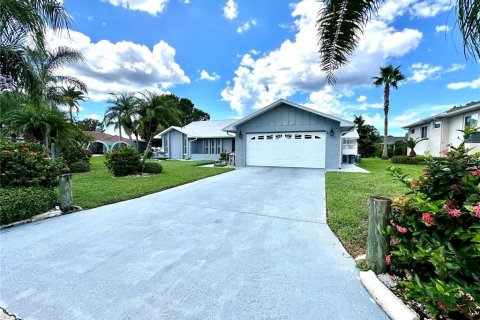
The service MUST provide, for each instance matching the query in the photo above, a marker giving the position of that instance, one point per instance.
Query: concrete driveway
(248, 244)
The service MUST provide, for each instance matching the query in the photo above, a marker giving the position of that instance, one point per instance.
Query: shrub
(149, 154)
(379, 152)
(223, 156)
(435, 232)
(74, 153)
(27, 165)
(220, 164)
(152, 167)
(406, 159)
(23, 203)
(80, 166)
(123, 161)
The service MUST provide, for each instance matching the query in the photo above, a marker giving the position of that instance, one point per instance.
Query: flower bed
(435, 235)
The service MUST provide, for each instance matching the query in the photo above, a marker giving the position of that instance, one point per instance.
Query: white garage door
(295, 149)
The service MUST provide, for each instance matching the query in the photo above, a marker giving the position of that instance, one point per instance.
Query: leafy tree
(341, 22)
(89, 124)
(120, 106)
(190, 113)
(70, 97)
(369, 137)
(389, 77)
(21, 20)
(157, 112)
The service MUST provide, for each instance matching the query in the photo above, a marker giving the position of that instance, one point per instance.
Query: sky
(232, 57)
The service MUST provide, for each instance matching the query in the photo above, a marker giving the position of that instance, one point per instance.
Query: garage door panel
(296, 149)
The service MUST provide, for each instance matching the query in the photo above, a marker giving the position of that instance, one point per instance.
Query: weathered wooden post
(66, 195)
(379, 210)
(53, 154)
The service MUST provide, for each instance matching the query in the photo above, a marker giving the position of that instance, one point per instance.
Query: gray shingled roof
(203, 129)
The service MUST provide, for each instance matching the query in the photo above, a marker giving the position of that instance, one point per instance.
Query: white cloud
(230, 10)
(93, 116)
(474, 84)
(362, 99)
(246, 25)
(294, 66)
(415, 8)
(152, 7)
(121, 66)
(424, 71)
(67, 109)
(443, 28)
(204, 75)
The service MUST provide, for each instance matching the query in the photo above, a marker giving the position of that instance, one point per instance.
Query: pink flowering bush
(435, 234)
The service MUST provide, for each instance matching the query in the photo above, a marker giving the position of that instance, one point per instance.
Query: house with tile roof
(442, 130)
(104, 142)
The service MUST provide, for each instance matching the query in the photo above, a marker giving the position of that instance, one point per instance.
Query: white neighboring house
(350, 146)
(441, 130)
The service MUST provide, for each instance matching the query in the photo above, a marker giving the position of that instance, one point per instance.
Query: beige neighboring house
(441, 130)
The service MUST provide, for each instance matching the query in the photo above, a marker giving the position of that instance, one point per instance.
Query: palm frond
(468, 20)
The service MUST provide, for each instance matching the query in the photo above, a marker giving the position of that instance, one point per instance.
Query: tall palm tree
(389, 77)
(21, 20)
(157, 112)
(121, 106)
(341, 22)
(70, 97)
(47, 83)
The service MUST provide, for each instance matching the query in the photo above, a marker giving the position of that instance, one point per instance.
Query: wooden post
(66, 195)
(379, 210)
(53, 154)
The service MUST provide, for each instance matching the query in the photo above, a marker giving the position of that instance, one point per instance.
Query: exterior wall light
(240, 135)
(332, 133)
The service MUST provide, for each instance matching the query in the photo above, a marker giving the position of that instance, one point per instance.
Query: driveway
(248, 244)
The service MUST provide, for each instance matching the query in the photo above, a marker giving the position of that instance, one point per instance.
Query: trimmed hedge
(406, 159)
(152, 167)
(74, 153)
(23, 203)
(80, 166)
(123, 161)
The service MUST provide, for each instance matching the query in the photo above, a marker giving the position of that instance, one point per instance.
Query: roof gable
(343, 123)
(202, 129)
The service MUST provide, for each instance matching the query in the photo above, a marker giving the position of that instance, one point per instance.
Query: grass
(98, 187)
(347, 199)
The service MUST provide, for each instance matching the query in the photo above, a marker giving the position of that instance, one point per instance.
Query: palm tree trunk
(71, 114)
(136, 142)
(149, 145)
(386, 104)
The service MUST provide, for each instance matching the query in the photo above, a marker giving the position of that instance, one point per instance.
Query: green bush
(80, 166)
(152, 167)
(220, 164)
(27, 165)
(23, 203)
(435, 230)
(149, 154)
(379, 152)
(74, 153)
(406, 159)
(123, 161)
(223, 156)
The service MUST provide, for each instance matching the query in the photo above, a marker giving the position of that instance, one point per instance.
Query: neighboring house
(199, 140)
(391, 141)
(350, 146)
(104, 142)
(282, 134)
(441, 130)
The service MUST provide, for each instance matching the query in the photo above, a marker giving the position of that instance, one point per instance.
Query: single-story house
(282, 134)
(104, 142)
(442, 130)
(199, 140)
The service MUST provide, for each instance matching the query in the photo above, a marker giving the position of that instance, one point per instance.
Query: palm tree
(21, 20)
(411, 144)
(70, 97)
(121, 106)
(389, 77)
(341, 22)
(46, 84)
(156, 112)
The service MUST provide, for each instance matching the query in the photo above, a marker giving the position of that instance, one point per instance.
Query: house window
(206, 145)
(298, 136)
(436, 124)
(412, 131)
(165, 147)
(424, 132)
(288, 136)
(260, 137)
(219, 146)
(471, 120)
(212, 146)
(270, 137)
(278, 136)
(308, 136)
(185, 144)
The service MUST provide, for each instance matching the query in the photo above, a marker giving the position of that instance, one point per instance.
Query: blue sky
(231, 57)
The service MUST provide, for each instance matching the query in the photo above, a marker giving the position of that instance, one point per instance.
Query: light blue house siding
(285, 118)
(198, 149)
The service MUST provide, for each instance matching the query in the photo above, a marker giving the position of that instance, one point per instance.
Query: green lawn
(347, 199)
(98, 187)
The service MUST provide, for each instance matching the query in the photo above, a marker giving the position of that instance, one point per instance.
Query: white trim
(343, 123)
